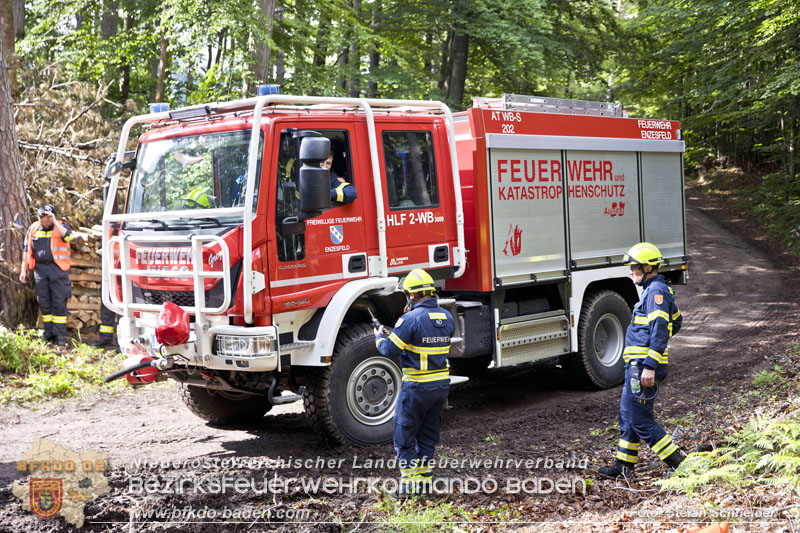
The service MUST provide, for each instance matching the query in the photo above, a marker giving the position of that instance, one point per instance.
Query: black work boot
(674, 460)
(59, 341)
(619, 468)
(48, 332)
(104, 341)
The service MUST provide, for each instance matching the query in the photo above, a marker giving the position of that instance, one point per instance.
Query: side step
(531, 340)
(288, 398)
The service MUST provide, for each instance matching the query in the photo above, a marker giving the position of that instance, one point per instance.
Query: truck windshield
(193, 172)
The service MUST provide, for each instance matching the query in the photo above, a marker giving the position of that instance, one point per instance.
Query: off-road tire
(333, 402)
(224, 407)
(598, 364)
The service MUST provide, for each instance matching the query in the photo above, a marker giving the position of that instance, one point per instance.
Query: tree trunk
(18, 9)
(341, 82)
(374, 62)
(427, 66)
(162, 68)
(15, 300)
(220, 45)
(353, 57)
(125, 84)
(262, 68)
(374, 55)
(7, 31)
(444, 68)
(109, 21)
(792, 153)
(458, 73)
(280, 60)
(321, 48)
(297, 61)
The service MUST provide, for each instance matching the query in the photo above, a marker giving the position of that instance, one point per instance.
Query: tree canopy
(728, 69)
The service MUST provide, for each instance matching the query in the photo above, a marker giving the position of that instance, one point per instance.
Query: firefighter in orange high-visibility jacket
(655, 320)
(47, 253)
(421, 339)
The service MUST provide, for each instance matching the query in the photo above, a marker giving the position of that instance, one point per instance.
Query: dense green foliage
(728, 69)
(553, 46)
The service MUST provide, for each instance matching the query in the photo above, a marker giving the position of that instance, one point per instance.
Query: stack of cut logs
(83, 309)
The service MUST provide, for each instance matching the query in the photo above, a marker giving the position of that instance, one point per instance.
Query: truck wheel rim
(372, 390)
(608, 340)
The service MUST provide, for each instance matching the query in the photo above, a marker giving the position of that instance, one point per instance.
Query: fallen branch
(57, 150)
(88, 144)
(101, 93)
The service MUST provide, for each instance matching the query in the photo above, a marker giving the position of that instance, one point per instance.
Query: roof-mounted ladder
(543, 104)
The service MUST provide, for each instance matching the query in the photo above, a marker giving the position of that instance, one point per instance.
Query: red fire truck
(520, 207)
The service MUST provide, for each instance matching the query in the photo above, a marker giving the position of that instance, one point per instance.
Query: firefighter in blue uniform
(341, 190)
(421, 338)
(655, 319)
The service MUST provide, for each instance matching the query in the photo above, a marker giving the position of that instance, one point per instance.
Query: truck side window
(290, 247)
(410, 169)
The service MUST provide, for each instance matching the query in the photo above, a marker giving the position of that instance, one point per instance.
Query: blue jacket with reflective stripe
(421, 338)
(341, 190)
(655, 319)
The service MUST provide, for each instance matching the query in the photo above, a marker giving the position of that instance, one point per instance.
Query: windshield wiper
(199, 222)
(212, 220)
(160, 222)
(164, 226)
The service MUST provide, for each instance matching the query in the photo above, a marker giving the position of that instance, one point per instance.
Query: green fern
(764, 452)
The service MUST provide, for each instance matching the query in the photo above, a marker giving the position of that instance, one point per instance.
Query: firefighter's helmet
(644, 253)
(198, 197)
(418, 281)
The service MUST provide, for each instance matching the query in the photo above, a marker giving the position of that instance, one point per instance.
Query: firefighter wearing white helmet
(421, 339)
(655, 320)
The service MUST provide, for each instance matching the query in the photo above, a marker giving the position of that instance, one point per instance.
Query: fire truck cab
(521, 208)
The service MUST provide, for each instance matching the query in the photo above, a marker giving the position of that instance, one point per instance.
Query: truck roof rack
(543, 104)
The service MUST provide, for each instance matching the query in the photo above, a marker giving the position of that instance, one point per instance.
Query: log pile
(83, 309)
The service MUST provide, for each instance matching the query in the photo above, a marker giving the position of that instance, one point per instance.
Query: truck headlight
(235, 346)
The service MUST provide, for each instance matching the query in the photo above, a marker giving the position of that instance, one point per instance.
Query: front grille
(213, 296)
(182, 298)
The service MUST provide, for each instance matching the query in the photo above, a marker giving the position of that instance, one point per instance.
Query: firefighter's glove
(383, 330)
(648, 378)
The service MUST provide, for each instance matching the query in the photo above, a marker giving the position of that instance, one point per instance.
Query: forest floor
(741, 316)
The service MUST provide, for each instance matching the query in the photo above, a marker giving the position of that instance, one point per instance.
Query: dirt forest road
(737, 300)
